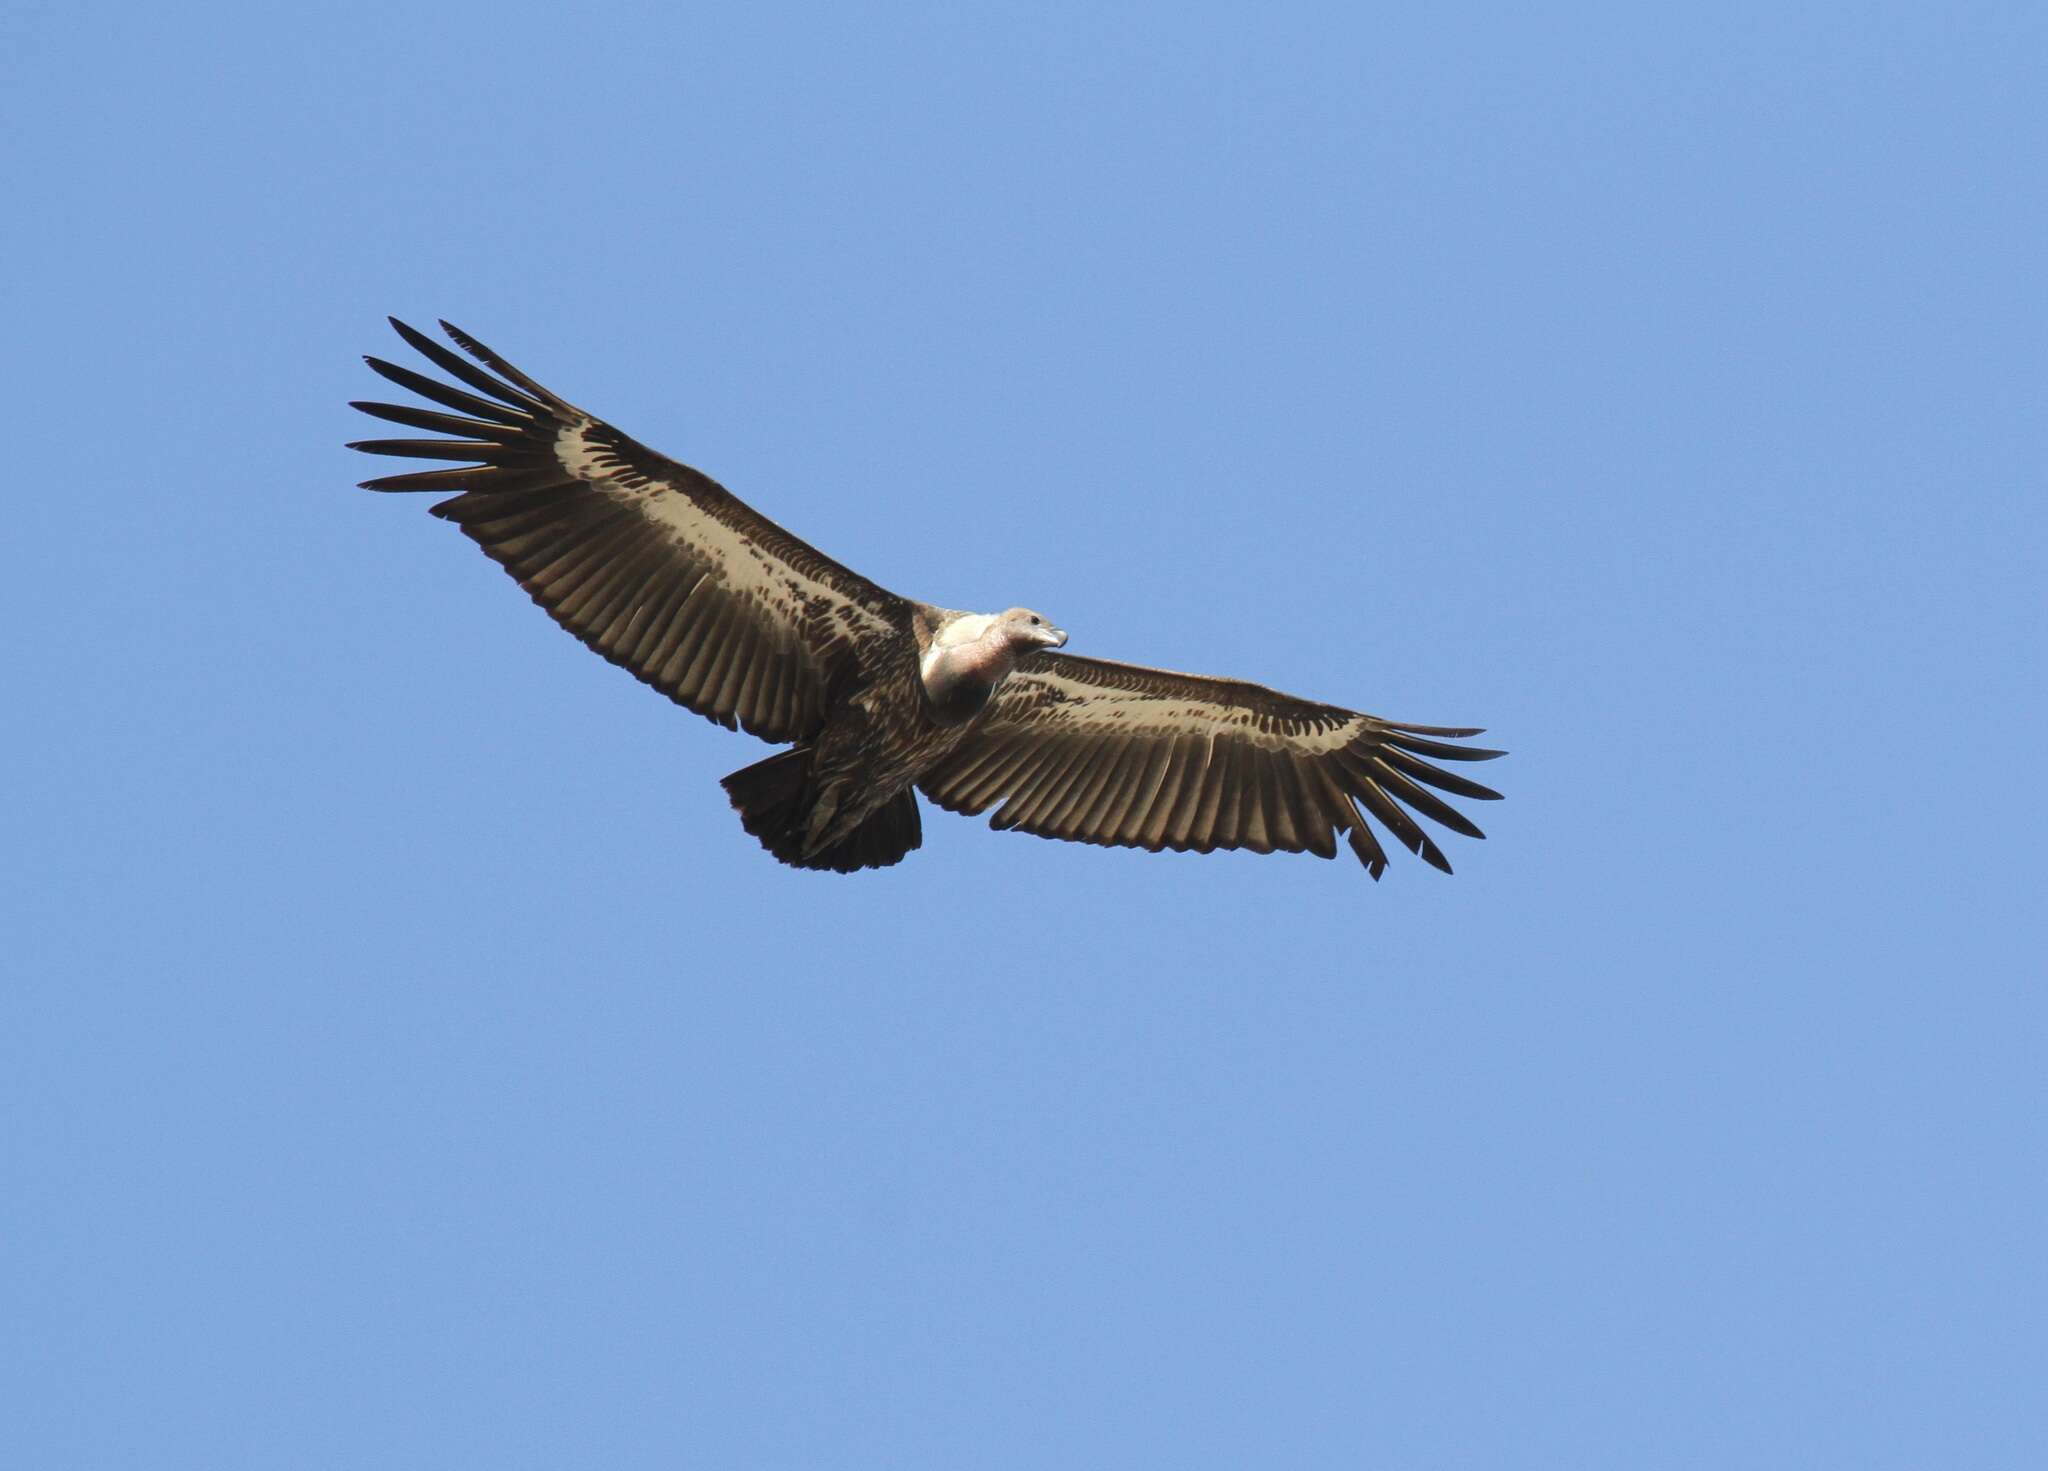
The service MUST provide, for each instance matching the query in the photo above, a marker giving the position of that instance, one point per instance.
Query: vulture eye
(1035, 621)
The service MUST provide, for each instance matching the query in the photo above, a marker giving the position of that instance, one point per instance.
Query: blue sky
(407, 1060)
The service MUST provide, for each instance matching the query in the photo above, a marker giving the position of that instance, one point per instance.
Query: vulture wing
(1096, 752)
(652, 564)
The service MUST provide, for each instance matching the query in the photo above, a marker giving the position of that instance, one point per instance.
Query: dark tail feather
(880, 841)
(774, 797)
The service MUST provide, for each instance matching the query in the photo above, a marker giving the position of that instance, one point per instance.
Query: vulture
(672, 577)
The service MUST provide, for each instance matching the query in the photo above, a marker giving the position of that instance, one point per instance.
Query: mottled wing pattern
(1097, 752)
(655, 566)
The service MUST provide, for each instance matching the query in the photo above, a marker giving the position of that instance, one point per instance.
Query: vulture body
(667, 574)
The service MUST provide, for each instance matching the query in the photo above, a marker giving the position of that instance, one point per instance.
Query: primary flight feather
(667, 574)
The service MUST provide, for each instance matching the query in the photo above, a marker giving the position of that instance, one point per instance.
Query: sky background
(405, 1059)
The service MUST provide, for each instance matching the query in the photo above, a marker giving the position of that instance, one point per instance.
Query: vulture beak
(1055, 638)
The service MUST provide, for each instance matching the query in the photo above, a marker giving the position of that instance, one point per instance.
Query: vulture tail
(774, 800)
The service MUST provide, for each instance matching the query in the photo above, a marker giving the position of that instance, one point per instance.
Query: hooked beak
(1055, 638)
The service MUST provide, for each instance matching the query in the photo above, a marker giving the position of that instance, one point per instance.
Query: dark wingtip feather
(1368, 850)
(1443, 781)
(459, 368)
(425, 480)
(417, 339)
(1401, 735)
(452, 397)
(484, 355)
(431, 419)
(1426, 802)
(1458, 732)
(1430, 853)
(485, 451)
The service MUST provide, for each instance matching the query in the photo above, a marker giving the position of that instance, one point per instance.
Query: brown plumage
(670, 576)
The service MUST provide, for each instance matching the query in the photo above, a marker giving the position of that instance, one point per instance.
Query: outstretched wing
(652, 564)
(1096, 752)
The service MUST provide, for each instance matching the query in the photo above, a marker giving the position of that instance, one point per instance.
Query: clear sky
(407, 1061)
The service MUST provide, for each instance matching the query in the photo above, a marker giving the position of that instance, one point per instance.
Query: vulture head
(975, 652)
(1023, 630)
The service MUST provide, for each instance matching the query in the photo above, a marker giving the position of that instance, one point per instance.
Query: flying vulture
(667, 574)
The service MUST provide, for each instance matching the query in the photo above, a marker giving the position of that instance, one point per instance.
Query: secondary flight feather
(669, 575)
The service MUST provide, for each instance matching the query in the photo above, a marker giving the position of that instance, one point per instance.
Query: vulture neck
(966, 661)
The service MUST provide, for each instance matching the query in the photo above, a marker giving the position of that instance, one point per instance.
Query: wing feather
(1405, 828)
(1144, 797)
(1400, 735)
(1276, 777)
(1176, 771)
(653, 565)
(1030, 790)
(581, 556)
(775, 688)
(429, 419)
(1140, 780)
(1235, 802)
(1063, 788)
(441, 393)
(1428, 803)
(1108, 753)
(989, 775)
(469, 373)
(1258, 782)
(1091, 814)
(1443, 781)
(630, 592)
(709, 638)
(1057, 783)
(1204, 820)
(1315, 822)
